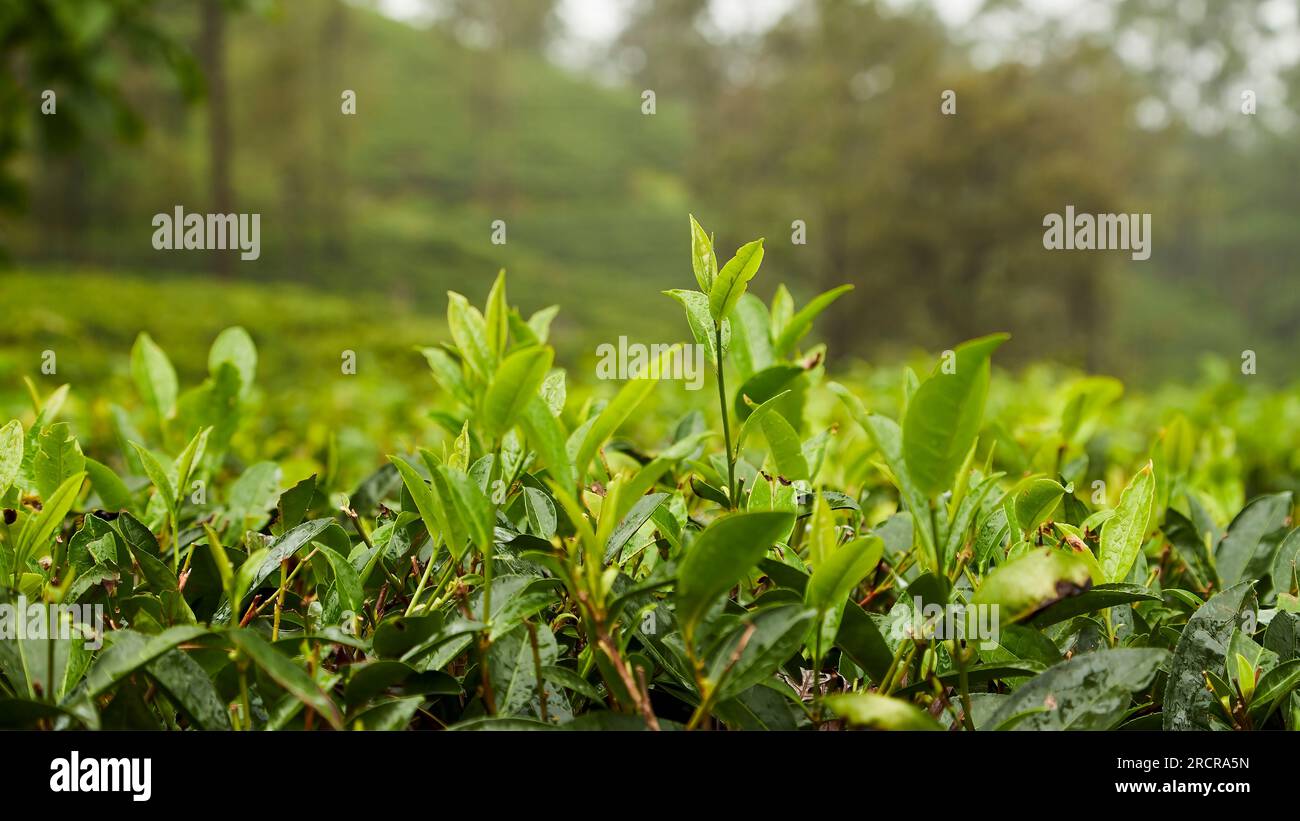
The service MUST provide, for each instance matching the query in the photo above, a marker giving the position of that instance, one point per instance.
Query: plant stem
(537, 668)
(247, 707)
(963, 681)
(424, 580)
(279, 599)
(726, 423)
(176, 544)
(709, 692)
(484, 641)
(494, 473)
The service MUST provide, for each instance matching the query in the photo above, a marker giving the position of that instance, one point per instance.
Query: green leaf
(777, 634)
(539, 511)
(1036, 501)
(515, 671)
(944, 416)
(1283, 635)
(887, 437)
(189, 460)
(1100, 597)
(372, 679)
(968, 509)
(764, 386)
(1245, 677)
(1190, 547)
(629, 396)
(225, 571)
(1037, 579)
(832, 582)
(877, 712)
(294, 504)
(1123, 533)
(720, 556)
(447, 373)
(27, 714)
(628, 526)
(1284, 573)
(785, 447)
(564, 677)
(280, 548)
(1087, 397)
(469, 330)
(1259, 518)
(430, 507)
(799, 325)
(821, 536)
(734, 278)
(130, 651)
(701, 323)
(497, 318)
(703, 261)
(1203, 646)
(113, 492)
(346, 580)
(1091, 691)
(154, 376)
(470, 503)
(287, 674)
(157, 474)
(752, 348)
(253, 494)
(11, 454)
(57, 457)
(190, 687)
(547, 435)
(37, 531)
(1274, 686)
(540, 322)
(513, 386)
(235, 346)
(516, 598)
(782, 311)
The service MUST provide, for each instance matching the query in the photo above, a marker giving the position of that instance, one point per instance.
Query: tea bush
(782, 551)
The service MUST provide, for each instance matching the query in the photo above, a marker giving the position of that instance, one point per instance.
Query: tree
(664, 48)
(519, 26)
(938, 219)
(74, 52)
(212, 54)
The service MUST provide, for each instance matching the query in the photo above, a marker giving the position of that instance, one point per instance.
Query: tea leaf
(1088, 692)
(719, 557)
(1203, 646)
(1123, 534)
(877, 712)
(734, 278)
(944, 416)
(703, 261)
(154, 376)
(514, 385)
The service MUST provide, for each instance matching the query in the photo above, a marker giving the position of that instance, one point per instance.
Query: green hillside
(400, 198)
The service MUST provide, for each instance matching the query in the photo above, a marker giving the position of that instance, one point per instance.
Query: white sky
(599, 20)
(590, 25)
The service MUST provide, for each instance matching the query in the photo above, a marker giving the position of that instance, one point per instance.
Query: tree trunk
(333, 45)
(212, 54)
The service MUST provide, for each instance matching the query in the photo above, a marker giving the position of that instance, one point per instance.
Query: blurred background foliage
(825, 111)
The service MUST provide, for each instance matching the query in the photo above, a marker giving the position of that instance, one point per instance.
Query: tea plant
(807, 560)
